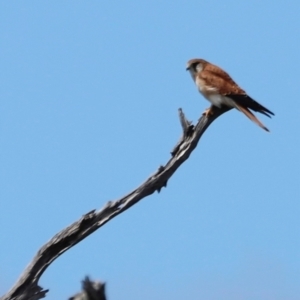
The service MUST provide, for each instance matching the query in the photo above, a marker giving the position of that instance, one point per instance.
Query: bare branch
(27, 285)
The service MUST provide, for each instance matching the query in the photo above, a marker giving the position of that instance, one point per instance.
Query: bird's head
(195, 66)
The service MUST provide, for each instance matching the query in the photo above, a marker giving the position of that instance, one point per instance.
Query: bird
(221, 90)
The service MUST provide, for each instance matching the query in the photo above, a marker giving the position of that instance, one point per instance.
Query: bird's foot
(208, 112)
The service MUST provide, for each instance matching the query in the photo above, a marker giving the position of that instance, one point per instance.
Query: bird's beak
(187, 68)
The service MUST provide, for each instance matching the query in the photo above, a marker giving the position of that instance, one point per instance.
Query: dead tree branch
(27, 288)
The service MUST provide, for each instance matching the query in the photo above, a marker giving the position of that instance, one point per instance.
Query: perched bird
(220, 89)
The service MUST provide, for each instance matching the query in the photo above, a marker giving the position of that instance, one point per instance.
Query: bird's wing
(216, 77)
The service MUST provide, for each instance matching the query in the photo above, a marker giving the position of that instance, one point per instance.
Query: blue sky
(89, 98)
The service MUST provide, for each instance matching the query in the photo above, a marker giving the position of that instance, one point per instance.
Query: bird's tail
(246, 101)
(251, 116)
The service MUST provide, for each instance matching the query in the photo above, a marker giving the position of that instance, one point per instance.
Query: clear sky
(89, 98)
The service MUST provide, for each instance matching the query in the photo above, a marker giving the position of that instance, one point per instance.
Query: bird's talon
(208, 112)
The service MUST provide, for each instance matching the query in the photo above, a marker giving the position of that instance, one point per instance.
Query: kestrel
(220, 89)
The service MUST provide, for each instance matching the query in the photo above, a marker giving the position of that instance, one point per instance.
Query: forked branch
(27, 288)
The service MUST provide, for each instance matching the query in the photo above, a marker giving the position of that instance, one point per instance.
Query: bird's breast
(219, 100)
(204, 88)
(212, 94)
(209, 92)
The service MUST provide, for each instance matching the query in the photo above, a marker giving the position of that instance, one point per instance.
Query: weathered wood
(91, 290)
(27, 288)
